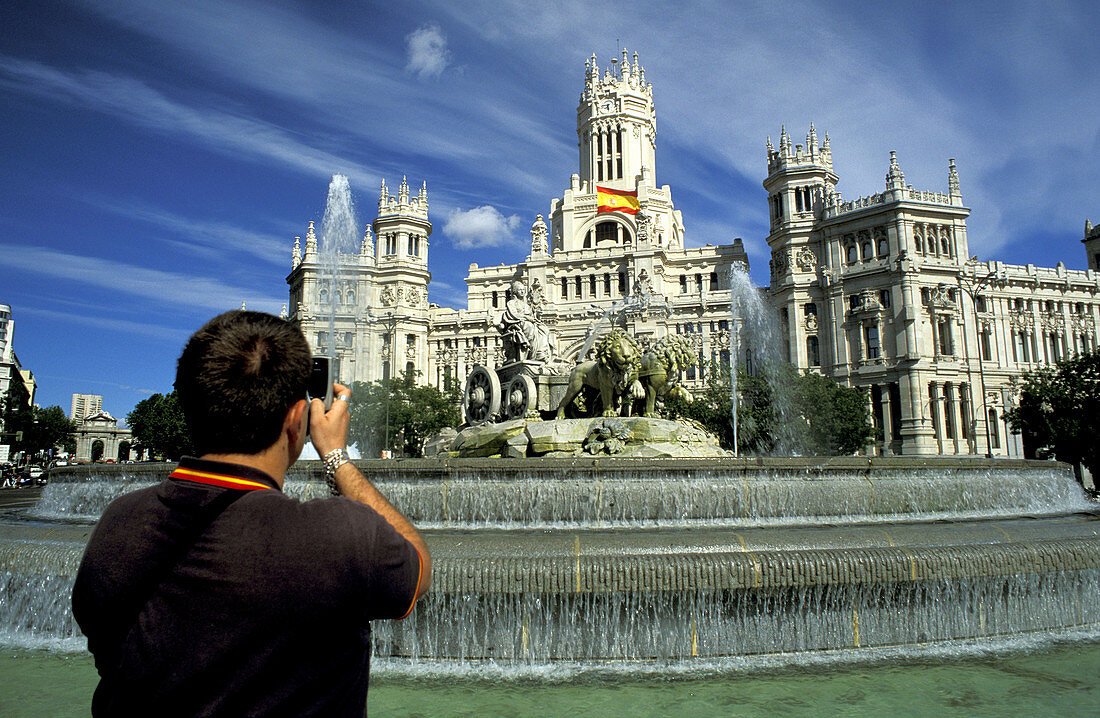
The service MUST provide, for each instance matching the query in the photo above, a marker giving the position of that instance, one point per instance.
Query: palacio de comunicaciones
(878, 292)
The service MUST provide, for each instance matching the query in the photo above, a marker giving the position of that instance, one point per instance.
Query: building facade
(99, 438)
(85, 405)
(17, 385)
(878, 292)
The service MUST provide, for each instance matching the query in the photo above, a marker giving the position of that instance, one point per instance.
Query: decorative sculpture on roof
(538, 236)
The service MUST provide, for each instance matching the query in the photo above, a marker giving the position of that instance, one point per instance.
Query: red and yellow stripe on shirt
(224, 480)
(616, 200)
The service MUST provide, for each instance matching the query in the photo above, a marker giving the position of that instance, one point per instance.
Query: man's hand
(328, 430)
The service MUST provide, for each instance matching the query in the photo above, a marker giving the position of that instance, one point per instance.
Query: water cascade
(756, 344)
(623, 562)
(338, 242)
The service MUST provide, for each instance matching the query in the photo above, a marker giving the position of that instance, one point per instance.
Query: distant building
(99, 437)
(17, 385)
(85, 405)
(878, 292)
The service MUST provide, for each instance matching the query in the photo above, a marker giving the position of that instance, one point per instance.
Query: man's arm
(329, 431)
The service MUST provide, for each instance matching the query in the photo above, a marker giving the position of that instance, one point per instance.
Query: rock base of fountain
(637, 436)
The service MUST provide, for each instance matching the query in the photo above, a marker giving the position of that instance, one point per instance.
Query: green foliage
(414, 414)
(157, 426)
(814, 416)
(50, 429)
(1059, 411)
(836, 420)
(40, 430)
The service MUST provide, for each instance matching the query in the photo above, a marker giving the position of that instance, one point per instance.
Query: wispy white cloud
(96, 320)
(427, 51)
(483, 226)
(211, 237)
(119, 278)
(137, 103)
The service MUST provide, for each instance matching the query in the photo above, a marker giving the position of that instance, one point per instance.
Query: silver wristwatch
(333, 460)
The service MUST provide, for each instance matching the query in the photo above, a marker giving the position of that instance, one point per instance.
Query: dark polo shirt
(198, 599)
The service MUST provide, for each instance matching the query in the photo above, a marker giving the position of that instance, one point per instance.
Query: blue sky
(159, 157)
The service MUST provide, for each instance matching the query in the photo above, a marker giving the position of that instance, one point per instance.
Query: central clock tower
(616, 125)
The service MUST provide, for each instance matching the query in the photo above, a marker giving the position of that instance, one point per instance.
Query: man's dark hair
(237, 377)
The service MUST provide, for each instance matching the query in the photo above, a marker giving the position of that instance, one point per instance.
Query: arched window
(994, 430)
(607, 233)
(852, 254)
(883, 247)
(868, 252)
(813, 356)
(349, 298)
(322, 296)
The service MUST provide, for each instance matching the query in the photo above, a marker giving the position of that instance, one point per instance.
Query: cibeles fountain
(612, 539)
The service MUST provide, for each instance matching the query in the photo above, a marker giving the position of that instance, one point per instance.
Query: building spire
(895, 178)
(784, 141)
(403, 191)
(382, 196)
(367, 247)
(423, 197)
(296, 257)
(311, 240)
(953, 179)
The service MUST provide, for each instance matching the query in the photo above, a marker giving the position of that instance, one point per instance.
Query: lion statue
(660, 369)
(613, 373)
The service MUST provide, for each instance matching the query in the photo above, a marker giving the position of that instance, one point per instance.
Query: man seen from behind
(213, 593)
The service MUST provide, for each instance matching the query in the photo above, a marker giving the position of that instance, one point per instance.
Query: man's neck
(268, 461)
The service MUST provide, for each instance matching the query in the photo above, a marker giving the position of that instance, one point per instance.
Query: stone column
(870, 403)
(917, 435)
(936, 415)
(952, 405)
(887, 419)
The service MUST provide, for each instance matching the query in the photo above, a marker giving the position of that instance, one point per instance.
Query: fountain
(598, 561)
(618, 540)
(339, 240)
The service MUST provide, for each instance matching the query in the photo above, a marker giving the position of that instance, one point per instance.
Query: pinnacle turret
(367, 247)
(895, 178)
(296, 257)
(383, 196)
(953, 179)
(311, 240)
(403, 191)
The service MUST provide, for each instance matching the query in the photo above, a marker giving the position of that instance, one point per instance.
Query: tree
(836, 416)
(1059, 411)
(810, 414)
(414, 414)
(48, 429)
(157, 426)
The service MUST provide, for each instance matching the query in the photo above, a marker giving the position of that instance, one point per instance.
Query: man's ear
(297, 418)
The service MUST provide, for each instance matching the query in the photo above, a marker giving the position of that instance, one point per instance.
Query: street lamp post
(971, 284)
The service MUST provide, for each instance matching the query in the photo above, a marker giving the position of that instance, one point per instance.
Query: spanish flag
(616, 200)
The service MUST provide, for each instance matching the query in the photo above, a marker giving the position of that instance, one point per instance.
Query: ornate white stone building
(877, 292)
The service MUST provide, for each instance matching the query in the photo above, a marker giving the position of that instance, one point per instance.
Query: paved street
(19, 498)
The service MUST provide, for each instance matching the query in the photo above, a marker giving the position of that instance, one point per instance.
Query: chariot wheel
(520, 396)
(481, 399)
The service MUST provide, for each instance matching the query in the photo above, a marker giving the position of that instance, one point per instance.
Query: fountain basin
(777, 564)
(650, 493)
